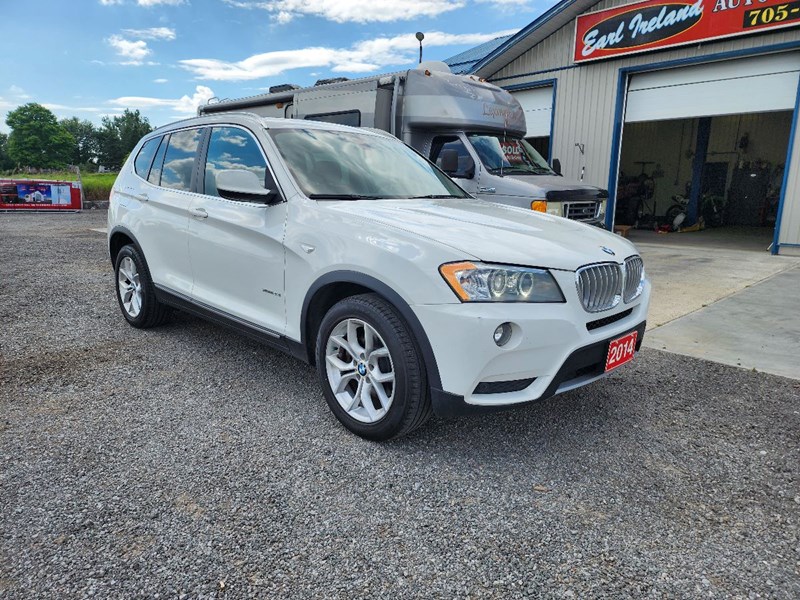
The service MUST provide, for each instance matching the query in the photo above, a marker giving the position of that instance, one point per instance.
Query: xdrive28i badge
(608, 250)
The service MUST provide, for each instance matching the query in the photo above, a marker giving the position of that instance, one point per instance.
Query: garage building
(684, 110)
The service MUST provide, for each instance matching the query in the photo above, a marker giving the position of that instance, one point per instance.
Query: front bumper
(554, 348)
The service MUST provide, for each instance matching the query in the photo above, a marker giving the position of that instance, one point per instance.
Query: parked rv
(472, 129)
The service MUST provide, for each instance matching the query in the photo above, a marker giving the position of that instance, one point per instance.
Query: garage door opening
(739, 184)
(704, 148)
(537, 104)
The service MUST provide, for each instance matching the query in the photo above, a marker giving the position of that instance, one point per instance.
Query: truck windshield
(501, 154)
(344, 165)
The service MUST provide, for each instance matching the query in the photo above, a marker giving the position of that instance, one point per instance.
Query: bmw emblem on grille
(608, 250)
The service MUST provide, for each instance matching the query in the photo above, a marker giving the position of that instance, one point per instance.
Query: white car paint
(257, 263)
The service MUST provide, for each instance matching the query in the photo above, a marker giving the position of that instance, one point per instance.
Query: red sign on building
(19, 194)
(657, 24)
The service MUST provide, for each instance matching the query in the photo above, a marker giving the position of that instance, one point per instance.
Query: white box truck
(471, 129)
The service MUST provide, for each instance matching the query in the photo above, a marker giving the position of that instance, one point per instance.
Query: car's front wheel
(371, 370)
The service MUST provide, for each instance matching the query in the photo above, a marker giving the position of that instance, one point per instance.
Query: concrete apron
(735, 307)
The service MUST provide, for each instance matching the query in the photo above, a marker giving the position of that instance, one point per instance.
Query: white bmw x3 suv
(350, 251)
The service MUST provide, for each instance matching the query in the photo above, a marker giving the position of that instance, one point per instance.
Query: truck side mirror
(449, 161)
(557, 166)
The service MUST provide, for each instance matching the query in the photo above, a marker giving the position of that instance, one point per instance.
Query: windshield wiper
(433, 196)
(504, 170)
(342, 197)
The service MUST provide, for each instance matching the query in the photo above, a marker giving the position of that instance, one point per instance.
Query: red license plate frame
(621, 350)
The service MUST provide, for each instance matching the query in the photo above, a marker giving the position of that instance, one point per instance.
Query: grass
(96, 186)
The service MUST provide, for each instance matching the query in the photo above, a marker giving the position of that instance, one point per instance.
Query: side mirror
(557, 166)
(239, 184)
(469, 168)
(449, 161)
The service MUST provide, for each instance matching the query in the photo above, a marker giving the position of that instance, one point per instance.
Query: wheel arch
(119, 238)
(338, 285)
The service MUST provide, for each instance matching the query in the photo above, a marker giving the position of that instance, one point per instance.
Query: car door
(165, 198)
(235, 244)
(468, 171)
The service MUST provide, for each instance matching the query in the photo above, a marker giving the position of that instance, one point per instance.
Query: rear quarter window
(145, 157)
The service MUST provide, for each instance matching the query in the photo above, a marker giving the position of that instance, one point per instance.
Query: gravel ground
(189, 462)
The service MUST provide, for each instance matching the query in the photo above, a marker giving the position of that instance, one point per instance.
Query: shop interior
(730, 165)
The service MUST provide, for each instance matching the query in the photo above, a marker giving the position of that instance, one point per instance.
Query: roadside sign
(39, 195)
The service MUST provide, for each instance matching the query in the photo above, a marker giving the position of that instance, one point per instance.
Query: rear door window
(154, 176)
(180, 159)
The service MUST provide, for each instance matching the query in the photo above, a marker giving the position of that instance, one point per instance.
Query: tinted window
(155, 171)
(466, 166)
(233, 148)
(179, 160)
(142, 163)
(350, 117)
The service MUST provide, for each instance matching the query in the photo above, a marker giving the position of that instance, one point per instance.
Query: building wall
(587, 93)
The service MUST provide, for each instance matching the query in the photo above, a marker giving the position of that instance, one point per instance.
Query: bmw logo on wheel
(608, 250)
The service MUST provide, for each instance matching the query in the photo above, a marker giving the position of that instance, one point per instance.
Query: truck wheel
(135, 290)
(371, 370)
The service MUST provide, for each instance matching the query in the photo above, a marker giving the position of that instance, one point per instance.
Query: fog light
(539, 205)
(502, 334)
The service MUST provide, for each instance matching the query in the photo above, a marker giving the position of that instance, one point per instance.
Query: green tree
(36, 139)
(5, 162)
(117, 136)
(85, 135)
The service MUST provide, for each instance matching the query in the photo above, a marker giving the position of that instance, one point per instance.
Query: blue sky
(90, 58)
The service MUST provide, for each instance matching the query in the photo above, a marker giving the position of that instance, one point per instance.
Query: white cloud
(153, 33)
(61, 107)
(363, 57)
(358, 11)
(160, 80)
(134, 51)
(19, 93)
(184, 106)
(110, 2)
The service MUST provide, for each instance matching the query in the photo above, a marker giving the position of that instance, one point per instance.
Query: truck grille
(599, 286)
(634, 268)
(581, 211)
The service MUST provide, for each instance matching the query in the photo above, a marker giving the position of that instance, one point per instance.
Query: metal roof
(461, 64)
(516, 45)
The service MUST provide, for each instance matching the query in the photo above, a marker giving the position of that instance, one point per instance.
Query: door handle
(198, 213)
(142, 197)
(486, 190)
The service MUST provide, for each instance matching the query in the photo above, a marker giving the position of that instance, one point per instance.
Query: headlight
(478, 282)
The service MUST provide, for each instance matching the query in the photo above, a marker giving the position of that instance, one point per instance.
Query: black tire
(411, 405)
(672, 212)
(152, 312)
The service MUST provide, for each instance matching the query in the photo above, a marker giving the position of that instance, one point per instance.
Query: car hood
(556, 184)
(495, 233)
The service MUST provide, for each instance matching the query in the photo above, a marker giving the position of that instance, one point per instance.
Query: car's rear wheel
(135, 290)
(370, 369)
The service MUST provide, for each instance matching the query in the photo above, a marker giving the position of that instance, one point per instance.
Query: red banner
(27, 194)
(656, 24)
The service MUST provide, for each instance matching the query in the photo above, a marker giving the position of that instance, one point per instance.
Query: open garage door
(704, 148)
(748, 85)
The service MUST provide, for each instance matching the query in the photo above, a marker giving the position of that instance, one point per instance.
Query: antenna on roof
(420, 36)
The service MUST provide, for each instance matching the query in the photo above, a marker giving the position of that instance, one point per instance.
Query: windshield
(501, 154)
(344, 165)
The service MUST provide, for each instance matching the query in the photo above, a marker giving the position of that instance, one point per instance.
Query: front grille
(599, 286)
(580, 211)
(592, 325)
(634, 268)
(503, 387)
